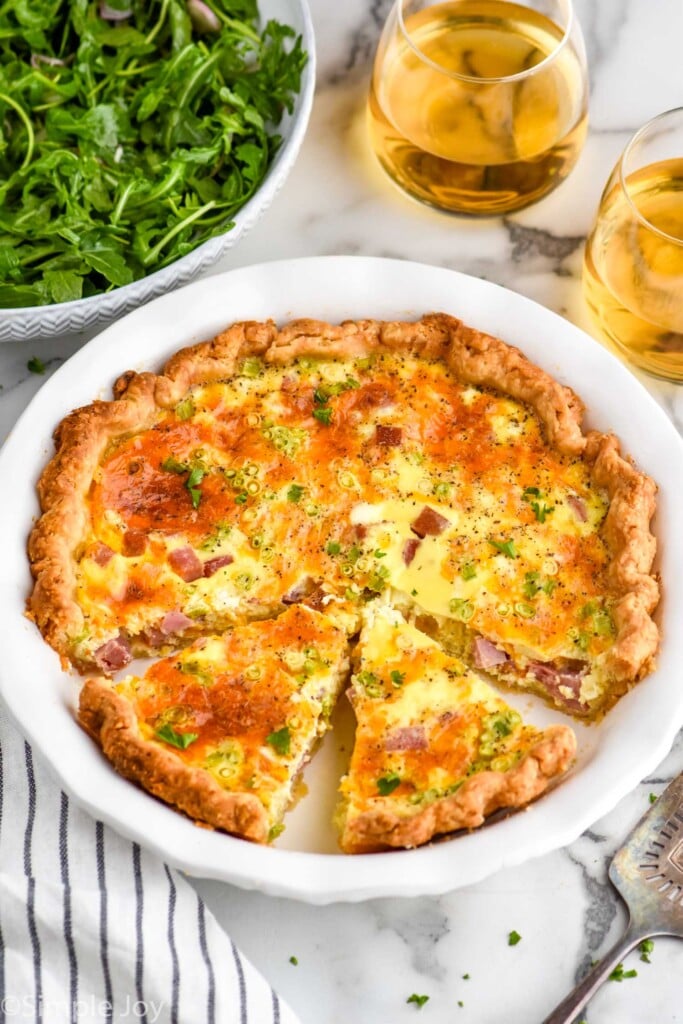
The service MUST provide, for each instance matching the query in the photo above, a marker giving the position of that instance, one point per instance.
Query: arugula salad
(131, 131)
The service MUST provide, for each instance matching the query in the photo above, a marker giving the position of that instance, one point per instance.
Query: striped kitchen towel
(94, 928)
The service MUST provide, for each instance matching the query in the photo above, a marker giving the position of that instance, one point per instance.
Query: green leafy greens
(126, 143)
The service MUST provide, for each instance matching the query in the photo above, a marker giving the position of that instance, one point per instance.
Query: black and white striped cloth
(94, 928)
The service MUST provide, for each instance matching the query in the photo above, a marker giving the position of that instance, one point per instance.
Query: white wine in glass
(479, 106)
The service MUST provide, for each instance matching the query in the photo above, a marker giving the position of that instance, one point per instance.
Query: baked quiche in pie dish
(419, 484)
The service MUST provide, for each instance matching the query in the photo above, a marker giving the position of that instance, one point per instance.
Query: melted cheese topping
(309, 479)
(249, 704)
(425, 723)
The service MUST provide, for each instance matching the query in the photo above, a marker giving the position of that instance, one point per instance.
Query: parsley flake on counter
(181, 740)
(619, 974)
(653, 798)
(418, 1000)
(513, 938)
(36, 365)
(294, 960)
(280, 740)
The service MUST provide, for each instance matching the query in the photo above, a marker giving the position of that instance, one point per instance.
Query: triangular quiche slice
(436, 748)
(222, 729)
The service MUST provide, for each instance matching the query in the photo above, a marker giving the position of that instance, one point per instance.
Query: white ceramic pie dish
(31, 322)
(613, 756)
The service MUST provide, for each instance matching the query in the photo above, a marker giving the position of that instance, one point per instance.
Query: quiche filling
(433, 742)
(333, 481)
(244, 710)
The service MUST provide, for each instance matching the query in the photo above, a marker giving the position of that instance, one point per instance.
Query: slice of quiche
(222, 729)
(436, 748)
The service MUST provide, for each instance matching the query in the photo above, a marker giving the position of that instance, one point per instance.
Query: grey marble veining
(359, 963)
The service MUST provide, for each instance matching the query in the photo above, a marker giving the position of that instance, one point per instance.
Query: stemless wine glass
(633, 267)
(479, 106)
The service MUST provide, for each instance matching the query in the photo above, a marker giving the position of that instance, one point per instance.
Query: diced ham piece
(410, 549)
(134, 542)
(113, 655)
(388, 436)
(556, 679)
(174, 622)
(299, 591)
(429, 522)
(486, 654)
(102, 553)
(154, 637)
(214, 564)
(579, 507)
(185, 563)
(408, 737)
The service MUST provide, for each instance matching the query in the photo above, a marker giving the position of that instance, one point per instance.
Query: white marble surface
(360, 962)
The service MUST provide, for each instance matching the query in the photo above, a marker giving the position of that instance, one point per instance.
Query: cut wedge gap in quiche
(223, 729)
(436, 748)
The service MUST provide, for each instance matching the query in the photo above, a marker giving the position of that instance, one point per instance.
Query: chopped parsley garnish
(379, 553)
(295, 492)
(387, 784)
(418, 1000)
(333, 547)
(505, 547)
(280, 740)
(397, 678)
(197, 474)
(186, 409)
(323, 415)
(241, 498)
(293, 960)
(36, 365)
(540, 509)
(513, 938)
(468, 570)
(645, 948)
(619, 974)
(181, 740)
(171, 465)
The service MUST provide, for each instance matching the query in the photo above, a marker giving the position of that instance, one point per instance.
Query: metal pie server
(648, 874)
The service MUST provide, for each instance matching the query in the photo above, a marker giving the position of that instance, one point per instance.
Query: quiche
(436, 748)
(425, 465)
(222, 729)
